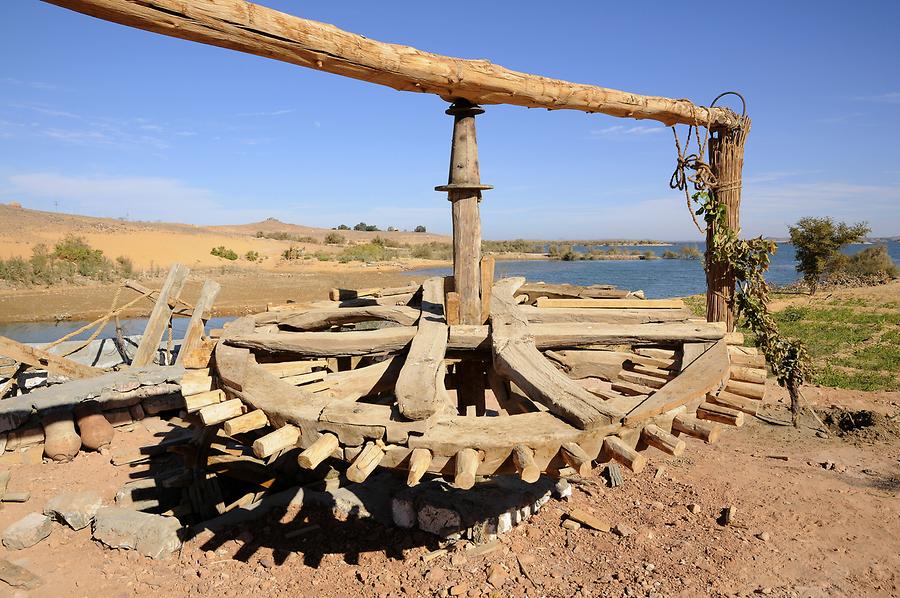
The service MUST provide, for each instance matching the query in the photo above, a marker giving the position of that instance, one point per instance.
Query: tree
(343, 227)
(420, 229)
(817, 241)
(361, 226)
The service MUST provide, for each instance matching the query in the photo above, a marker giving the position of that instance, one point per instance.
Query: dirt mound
(861, 425)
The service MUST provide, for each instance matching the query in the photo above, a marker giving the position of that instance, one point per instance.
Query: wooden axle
(196, 385)
(318, 451)
(220, 412)
(746, 389)
(575, 457)
(655, 436)
(733, 401)
(747, 374)
(204, 399)
(283, 438)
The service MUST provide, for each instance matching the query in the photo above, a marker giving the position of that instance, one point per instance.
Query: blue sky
(101, 119)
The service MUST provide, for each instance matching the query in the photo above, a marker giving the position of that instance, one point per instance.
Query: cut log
(705, 374)
(747, 374)
(653, 435)
(745, 359)
(690, 425)
(216, 414)
(733, 401)
(256, 29)
(722, 415)
(39, 358)
(419, 462)
(516, 357)
(467, 461)
(323, 319)
(197, 324)
(192, 385)
(160, 316)
(248, 422)
(616, 448)
(365, 463)
(575, 457)
(543, 303)
(523, 460)
(746, 389)
(420, 388)
(318, 451)
(281, 439)
(197, 402)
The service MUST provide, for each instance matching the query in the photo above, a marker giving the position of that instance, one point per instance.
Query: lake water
(658, 278)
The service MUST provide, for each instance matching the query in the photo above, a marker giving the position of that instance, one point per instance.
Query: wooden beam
(160, 316)
(517, 358)
(610, 303)
(420, 387)
(197, 324)
(705, 374)
(255, 29)
(39, 358)
(323, 319)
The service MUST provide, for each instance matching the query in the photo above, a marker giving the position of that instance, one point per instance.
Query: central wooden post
(464, 192)
(726, 160)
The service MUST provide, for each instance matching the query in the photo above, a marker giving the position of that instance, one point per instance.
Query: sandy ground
(799, 530)
(154, 245)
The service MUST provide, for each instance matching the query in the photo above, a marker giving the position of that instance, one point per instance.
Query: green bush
(690, 252)
(251, 256)
(432, 251)
(366, 252)
(420, 229)
(668, 254)
(223, 252)
(343, 227)
(70, 258)
(817, 242)
(871, 262)
(334, 239)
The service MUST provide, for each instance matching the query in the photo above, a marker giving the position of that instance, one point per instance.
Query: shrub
(292, 253)
(125, 266)
(334, 239)
(420, 229)
(223, 252)
(365, 227)
(70, 257)
(871, 262)
(432, 251)
(690, 252)
(251, 256)
(343, 227)
(668, 254)
(366, 252)
(817, 242)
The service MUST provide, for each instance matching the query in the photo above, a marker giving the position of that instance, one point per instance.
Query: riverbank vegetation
(71, 259)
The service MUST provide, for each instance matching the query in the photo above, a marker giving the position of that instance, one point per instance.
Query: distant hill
(158, 244)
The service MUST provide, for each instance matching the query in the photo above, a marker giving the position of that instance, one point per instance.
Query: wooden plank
(322, 319)
(610, 303)
(420, 388)
(328, 344)
(557, 315)
(160, 316)
(197, 324)
(705, 374)
(42, 359)
(487, 281)
(571, 291)
(255, 29)
(517, 358)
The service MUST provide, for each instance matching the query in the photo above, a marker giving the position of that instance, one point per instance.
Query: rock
(27, 531)
(436, 575)
(828, 465)
(151, 535)
(764, 536)
(267, 561)
(497, 575)
(728, 514)
(562, 490)
(571, 524)
(624, 530)
(76, 509)
(588, 520)
(693, 508)
(18, 577)
(459, 589)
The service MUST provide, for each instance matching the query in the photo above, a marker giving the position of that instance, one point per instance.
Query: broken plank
(160, 316)
(197, 324)
(42, 359)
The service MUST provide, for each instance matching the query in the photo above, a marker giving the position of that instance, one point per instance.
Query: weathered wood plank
(160, 316)
(707, 373)
(39, 358)
(328, 344)
(610, 303)
(420, 387)
(517, 358)
(322, 319)
(558, 315)
(196, 326)
(256, 29)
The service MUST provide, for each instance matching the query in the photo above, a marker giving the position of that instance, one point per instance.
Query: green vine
(749, 260)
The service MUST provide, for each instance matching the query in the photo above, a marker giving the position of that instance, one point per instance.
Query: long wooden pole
(255, 29)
